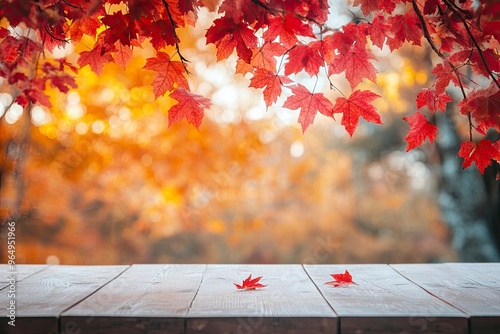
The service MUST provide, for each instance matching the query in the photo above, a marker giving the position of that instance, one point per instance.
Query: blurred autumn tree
(97, 177)
(104, 181)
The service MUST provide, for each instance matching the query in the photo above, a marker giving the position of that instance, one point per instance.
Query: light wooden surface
(414, 298)
(43, 296)
(382, 301)
(474, 289)
(290, 303)
(20, 272)
(144, 297)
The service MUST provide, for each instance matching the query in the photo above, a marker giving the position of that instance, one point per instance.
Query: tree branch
(453, 8)
(274, 11)
(176, 38)
(434, 47)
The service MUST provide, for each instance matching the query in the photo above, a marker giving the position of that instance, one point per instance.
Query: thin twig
(471, 36)
(176, 38)
(434, 47)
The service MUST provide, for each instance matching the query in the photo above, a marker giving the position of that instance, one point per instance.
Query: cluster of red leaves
(464, 34)
(341, 279)
(250, 283)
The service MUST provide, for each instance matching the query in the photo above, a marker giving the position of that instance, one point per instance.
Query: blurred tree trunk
(13, 154)
(469, 201)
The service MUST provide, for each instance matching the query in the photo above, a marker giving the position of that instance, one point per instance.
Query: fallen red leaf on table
(250, 283)
(341, 279)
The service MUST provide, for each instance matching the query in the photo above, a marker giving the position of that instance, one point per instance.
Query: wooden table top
(450, 298)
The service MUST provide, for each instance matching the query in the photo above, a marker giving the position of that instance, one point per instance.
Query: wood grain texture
(472, 288)
(382, 301)
(143, 299)
(289, 304)
(43, 296)
(20, 271)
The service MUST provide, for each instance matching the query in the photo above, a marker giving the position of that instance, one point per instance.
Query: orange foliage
(105, 182)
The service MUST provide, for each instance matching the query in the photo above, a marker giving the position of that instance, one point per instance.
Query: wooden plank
(382, 301)
(483, 273)
(20, 272)
(473, 288)
(143, 299)
(289, 304)
(42, 297)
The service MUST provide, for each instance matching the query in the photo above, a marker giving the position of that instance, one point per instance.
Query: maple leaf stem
(176, 38)
(315, 83)
(332, 86)
(283, 57)
(469, 116)
(453, 8)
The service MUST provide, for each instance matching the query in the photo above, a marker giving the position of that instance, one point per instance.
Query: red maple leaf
(169, 73)
(358, 104)
(87, 25)
(484, 105)
(248, 10)
(190, 105)
(122, 27)
(265, 57)
(122, 55)
(433, 101)
(287, 28)
(227, 36)
(309, 104)
(272, 83)
(368, 6)
(162, 34)
(481, 154)
(95, 58)
(404, 28)
(304, 57)
(444, 74)
(356, 65)
(341, 279)
(420, 129)
(378, 31)
(343, 41)
(250, 283)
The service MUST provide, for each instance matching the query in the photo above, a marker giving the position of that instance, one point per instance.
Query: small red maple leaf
(304, 57)
(95, 58)
(420, 129)
(481, 153)
(433, 100)
(356, 64)
(483, 105)
(265, 57)
(309, 105)
(169, 73)
(250, 283)
(190, 105)
(227, 36)
(358, 104)
(287, 28)
(122, 55)
(444, 75)
(272, 83)
(341, 279)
